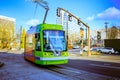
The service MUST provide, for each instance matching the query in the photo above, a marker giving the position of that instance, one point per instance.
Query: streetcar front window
(54, 40)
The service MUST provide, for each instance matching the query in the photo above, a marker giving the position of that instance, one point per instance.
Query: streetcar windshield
(54, 40)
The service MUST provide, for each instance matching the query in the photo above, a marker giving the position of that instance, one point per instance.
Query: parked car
(95, 49)
(108, 50)
(76, 47)
(92, 49)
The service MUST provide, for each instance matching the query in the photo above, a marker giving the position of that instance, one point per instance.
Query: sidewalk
(104, 58)
(12, 51)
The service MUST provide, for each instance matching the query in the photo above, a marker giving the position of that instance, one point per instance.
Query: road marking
(107, 66)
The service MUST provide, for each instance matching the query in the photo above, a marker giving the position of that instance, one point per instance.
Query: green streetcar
(46, 44)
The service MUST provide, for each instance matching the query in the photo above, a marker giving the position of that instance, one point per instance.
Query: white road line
(107, 66)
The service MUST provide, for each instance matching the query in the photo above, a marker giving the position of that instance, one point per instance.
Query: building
(94, 37)
(112, 33)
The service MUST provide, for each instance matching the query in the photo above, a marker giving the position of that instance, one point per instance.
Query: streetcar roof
(31, 30)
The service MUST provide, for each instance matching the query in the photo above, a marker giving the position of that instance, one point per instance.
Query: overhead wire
(35, 11)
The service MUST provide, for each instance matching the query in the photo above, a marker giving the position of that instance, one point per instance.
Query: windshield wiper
(55, 51)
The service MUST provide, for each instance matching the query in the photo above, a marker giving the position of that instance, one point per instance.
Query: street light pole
(86, 33)
(106, 27)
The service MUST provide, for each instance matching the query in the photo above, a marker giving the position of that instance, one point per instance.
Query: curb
(110, 58)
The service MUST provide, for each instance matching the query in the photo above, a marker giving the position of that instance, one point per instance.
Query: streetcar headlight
(48, 54)
(64, 53)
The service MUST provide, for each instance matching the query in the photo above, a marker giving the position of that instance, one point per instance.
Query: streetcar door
(38, 44)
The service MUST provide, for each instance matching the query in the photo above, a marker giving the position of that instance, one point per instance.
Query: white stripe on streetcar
(54, 58)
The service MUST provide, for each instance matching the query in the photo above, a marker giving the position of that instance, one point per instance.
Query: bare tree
(113, 33)
(6, 32)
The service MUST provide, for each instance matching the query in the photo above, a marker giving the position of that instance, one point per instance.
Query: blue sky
(93, 12)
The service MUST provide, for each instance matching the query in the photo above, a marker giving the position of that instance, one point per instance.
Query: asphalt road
(16, 68)
(99, 67)
(76, 69)
(104, 68)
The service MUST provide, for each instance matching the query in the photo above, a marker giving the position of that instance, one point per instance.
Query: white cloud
(91, 18)
(32, 22)
(110, 13)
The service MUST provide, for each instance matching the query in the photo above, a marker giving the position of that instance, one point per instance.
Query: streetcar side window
(37, 36)
(38, 44)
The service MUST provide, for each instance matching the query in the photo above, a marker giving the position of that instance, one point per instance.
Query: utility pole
(106, 27)
(89, 54)
(20, 37)
(82, 36)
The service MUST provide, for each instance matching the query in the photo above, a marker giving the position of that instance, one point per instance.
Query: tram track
(72, 73)
(60, 70)
(65, 72)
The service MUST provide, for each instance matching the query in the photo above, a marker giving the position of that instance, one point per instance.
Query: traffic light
(98, 35)
(78, 22)
(69, 17)
(81, 32)
(58, 12)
